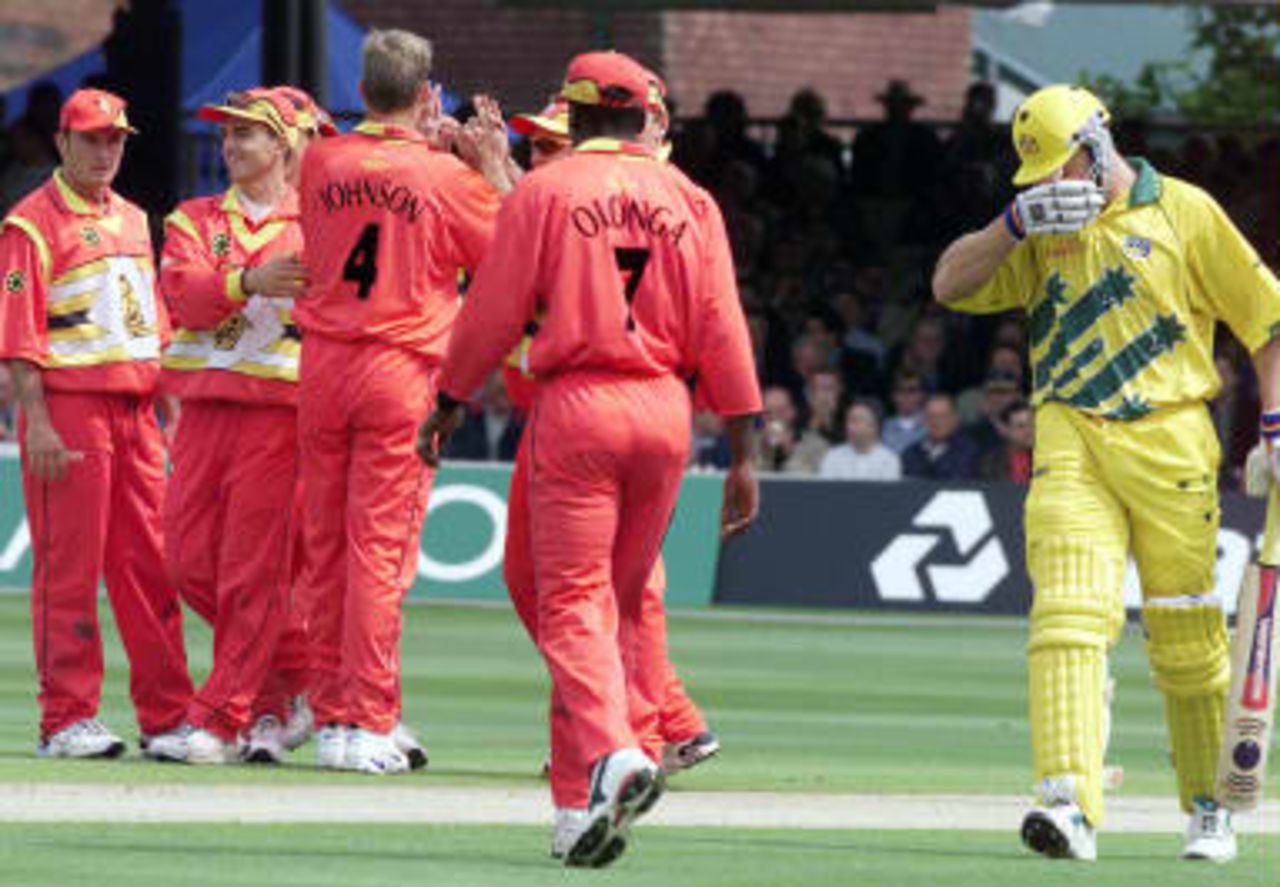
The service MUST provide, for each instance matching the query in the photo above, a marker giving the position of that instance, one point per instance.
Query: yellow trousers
(1103, 490)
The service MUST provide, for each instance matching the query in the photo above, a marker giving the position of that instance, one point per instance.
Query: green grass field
(883, 705)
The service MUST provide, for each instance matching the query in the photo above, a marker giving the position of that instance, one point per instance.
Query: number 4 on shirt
(632, 261)
(362, 262)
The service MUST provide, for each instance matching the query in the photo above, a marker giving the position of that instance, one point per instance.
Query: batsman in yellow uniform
(1123, 273)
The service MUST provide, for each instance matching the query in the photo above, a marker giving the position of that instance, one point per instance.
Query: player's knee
(1187, 645)
(1076, 586)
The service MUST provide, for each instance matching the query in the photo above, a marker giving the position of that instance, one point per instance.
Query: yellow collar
(74, 202)
(613, 146)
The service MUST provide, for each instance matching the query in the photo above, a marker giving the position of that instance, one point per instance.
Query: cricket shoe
(1209, 833)
(331, 746)
(409, 746)
(569, 825)
(624, 786)
(265, 743)
(685, 755)
(189, 745)
(83, 739)
(1058, 828)
(375, 753)
(300, 726)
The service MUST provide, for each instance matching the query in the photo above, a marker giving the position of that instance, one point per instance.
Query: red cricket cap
(310, 115)
(610, 79)
(87, 110)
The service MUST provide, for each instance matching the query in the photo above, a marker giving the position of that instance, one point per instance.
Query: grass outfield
(444, 856)
(867, 705)
(932, 706)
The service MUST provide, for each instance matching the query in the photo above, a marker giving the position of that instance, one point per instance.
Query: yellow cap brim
(534, 124)
(224, 114)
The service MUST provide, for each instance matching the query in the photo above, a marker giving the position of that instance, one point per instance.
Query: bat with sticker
(1251, 707)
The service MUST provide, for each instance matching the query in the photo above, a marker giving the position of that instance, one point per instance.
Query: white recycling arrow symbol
(964, 514)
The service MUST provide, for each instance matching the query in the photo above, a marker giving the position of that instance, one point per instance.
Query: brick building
(520, 54)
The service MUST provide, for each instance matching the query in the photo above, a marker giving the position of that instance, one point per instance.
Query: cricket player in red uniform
(82, 329)
(682, 739)
(387, 221)
(230, 271)
(627, 265)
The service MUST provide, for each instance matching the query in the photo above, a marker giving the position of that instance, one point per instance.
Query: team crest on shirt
(15, 282)
(90, 235)
(230, 332)
(221, 245)
(1137, 247)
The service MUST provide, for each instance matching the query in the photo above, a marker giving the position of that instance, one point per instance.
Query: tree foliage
(1238, 84)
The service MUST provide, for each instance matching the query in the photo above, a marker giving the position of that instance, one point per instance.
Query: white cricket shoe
(569, 825)
(265, 744)
(1060, 831)
(689, 753)
(301, 725)
(375, 753)
(331, 746)
(84, 739)
(409, 746)
(189, 745)
(624, 786)
(1209, 833)
(1057, 827)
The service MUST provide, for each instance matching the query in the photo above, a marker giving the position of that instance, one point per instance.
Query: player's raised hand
(741, 500)
(1055, 208)
(47, 456)
(281, 278)
(434, 435)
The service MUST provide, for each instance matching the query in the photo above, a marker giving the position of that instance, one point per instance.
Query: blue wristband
(1269, 425)
(1011, 223)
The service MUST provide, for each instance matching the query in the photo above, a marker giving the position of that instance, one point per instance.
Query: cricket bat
(1251, 707)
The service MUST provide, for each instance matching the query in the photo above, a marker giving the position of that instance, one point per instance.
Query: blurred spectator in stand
(946, 452)
(896, 157)
(726, 113)
(824, 398)
(491, 433)
(906, 426)
(1234, 411)
(1011, 460)
(808, 355)
(44, 106)
(709, 447)
(1000, 389)
(925, 354)
(801, 135)
(32, 162)
(746, 218)
(778, 439)
(862, 456)
(1004, 362)
(769, 344)
(8, 405)
(863, 353)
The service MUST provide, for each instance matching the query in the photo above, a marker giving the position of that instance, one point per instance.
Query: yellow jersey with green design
(1121, 315)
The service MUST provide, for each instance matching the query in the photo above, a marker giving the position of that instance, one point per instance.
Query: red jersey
(624, 265)
(229, 345)
(79, 292)
(387, 222)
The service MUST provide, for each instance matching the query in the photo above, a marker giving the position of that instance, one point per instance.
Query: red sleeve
(726, 371)
(470, 207)
(23, 285)
(500, 301)
(199, 294)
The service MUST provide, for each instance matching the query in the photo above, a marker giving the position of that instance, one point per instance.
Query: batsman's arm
(971, 261)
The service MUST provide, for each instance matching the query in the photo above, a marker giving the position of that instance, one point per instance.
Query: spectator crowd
(834, 242)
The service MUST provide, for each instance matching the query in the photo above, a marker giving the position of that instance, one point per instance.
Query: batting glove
(1054, 208)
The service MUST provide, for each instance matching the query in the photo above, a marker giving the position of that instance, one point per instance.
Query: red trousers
(602, 462)
(229, 525)
(102, 522)
(366, 492)
(678, 717)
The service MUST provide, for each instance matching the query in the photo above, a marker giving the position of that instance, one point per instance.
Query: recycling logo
(963, 515)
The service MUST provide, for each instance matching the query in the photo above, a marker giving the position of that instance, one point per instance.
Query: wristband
(1269, 425)
(1011, 223)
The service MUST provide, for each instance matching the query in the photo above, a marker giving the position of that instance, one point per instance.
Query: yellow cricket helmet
(1050, 126)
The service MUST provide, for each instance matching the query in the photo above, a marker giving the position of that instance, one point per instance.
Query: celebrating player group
(253, 429)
